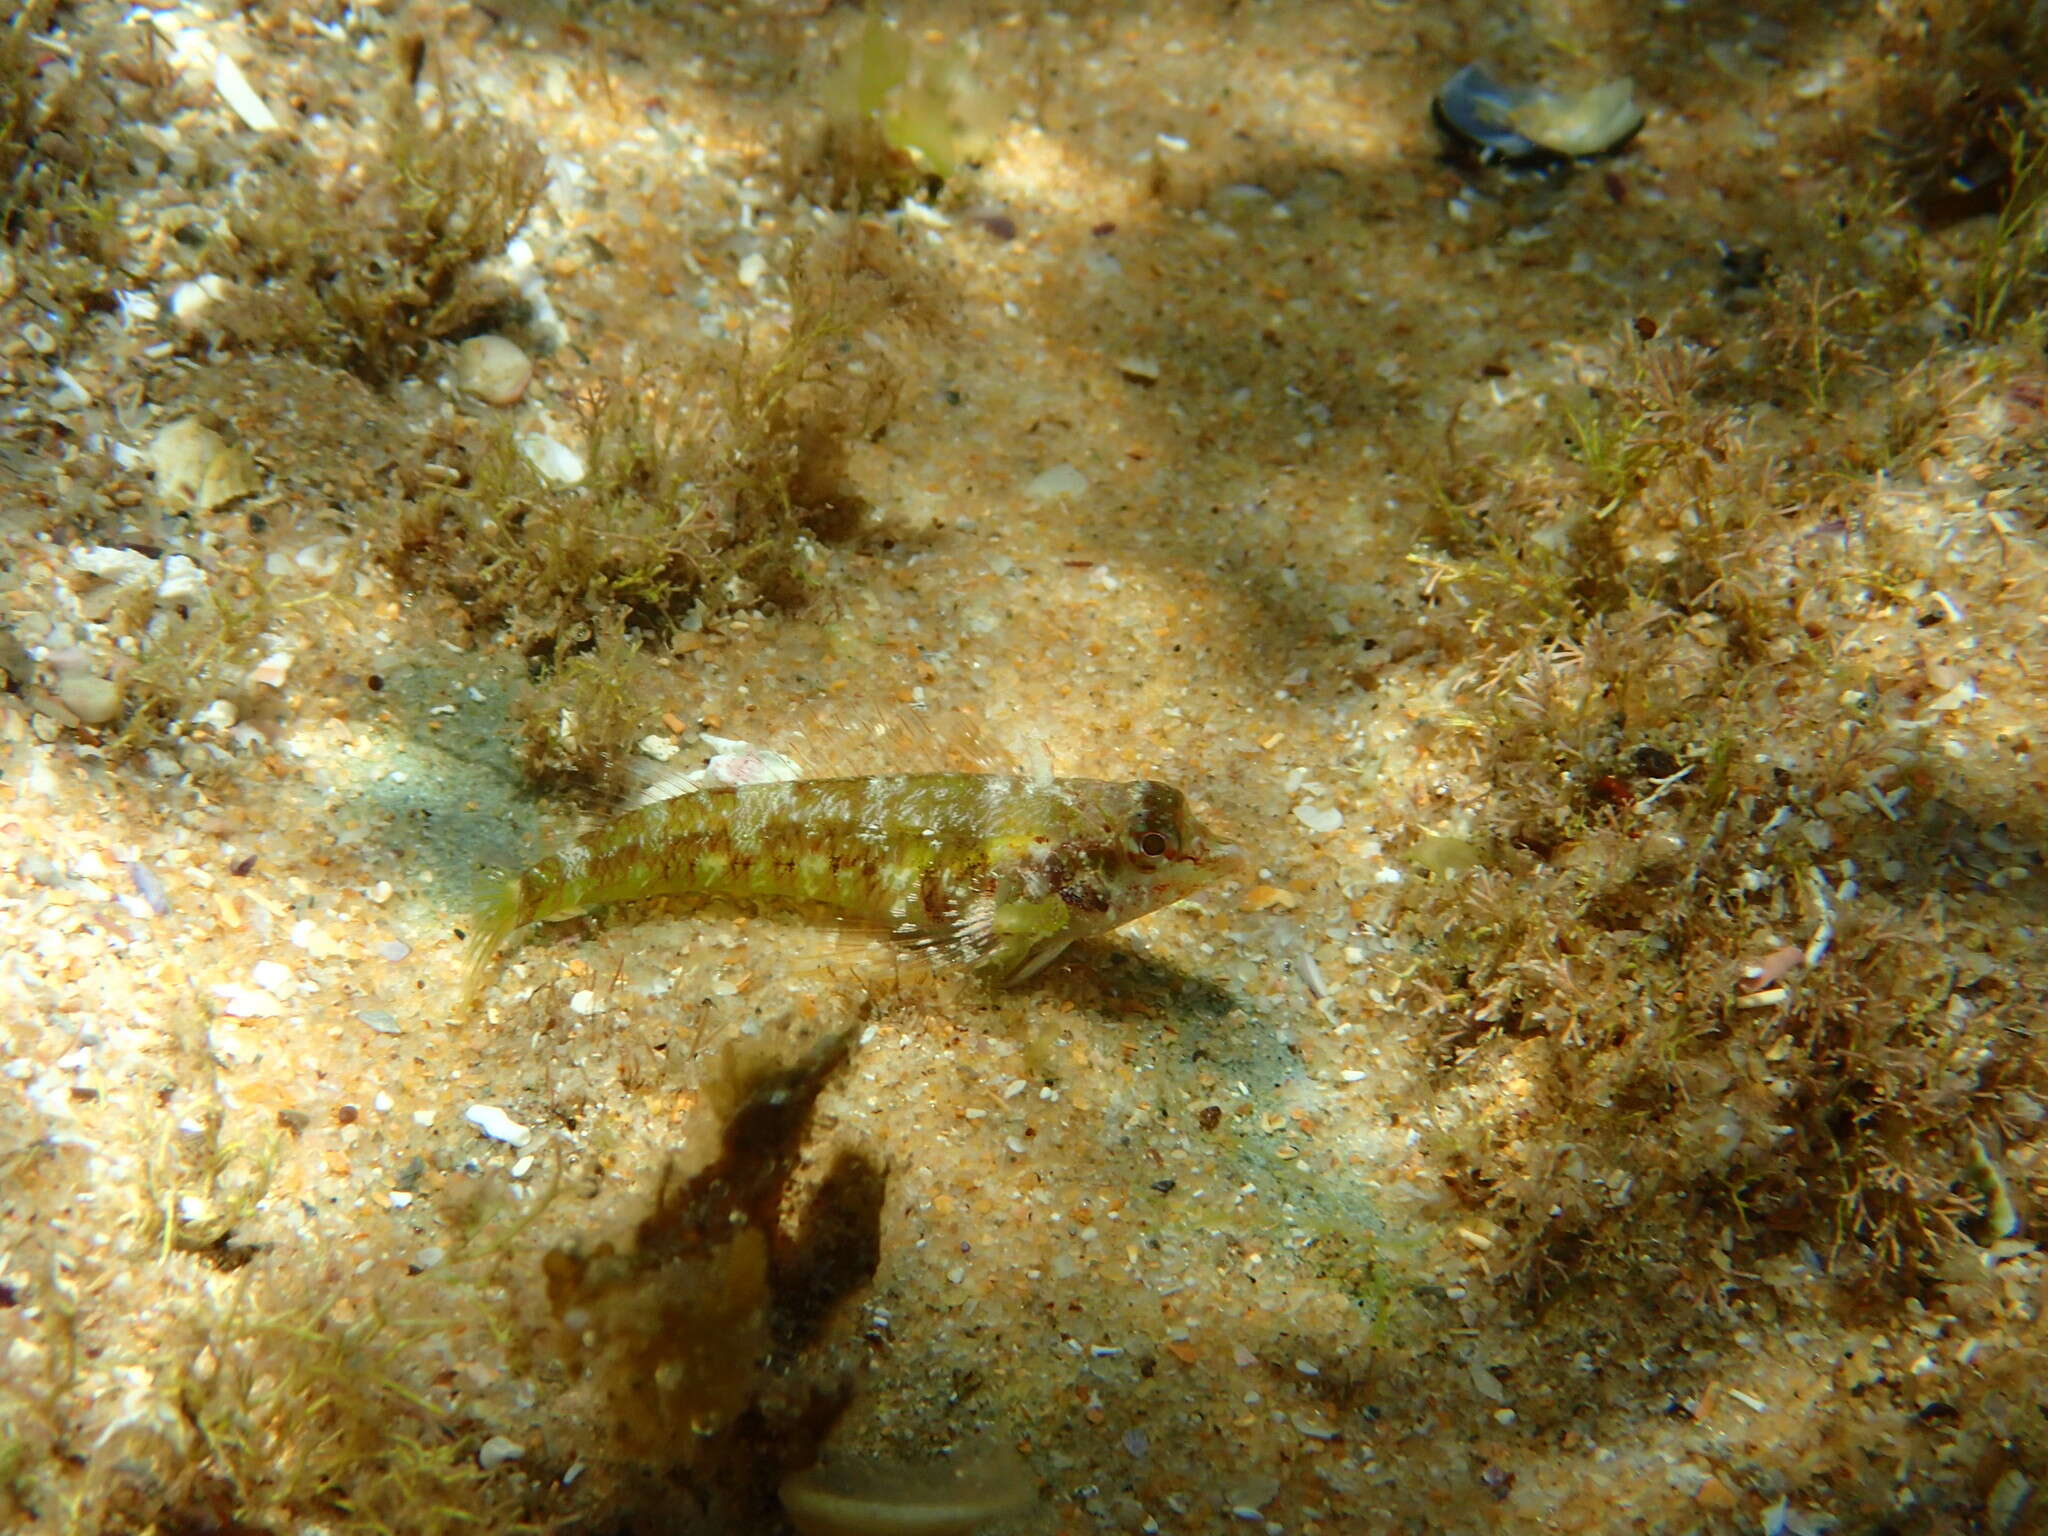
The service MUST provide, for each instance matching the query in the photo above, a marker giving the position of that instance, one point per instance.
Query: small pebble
(94, 700)
(496, 1451)
(493, 370)
(497, 1125)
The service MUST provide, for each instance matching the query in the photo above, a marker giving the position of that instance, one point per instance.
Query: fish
(996, 873)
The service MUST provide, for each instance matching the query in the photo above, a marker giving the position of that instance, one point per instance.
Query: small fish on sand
(995, 872)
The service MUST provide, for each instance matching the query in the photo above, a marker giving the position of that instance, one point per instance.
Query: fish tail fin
(497, 918)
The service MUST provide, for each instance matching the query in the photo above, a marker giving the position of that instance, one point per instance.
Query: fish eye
(1153, 845)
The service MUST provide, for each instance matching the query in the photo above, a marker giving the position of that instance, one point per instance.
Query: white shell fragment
(498, 1450)
(247, 1002)
(175, 578)
(1060, 480)
(270, 672)
(271, 976)
(123, 567)
(241, 97)
(555, 461)
(497, 1125)
(1319, 818)
(858, 1497)
(192, 299)
(658, 747)
(181, 579)
(1589, 122)
(195, 464)
(493, 370)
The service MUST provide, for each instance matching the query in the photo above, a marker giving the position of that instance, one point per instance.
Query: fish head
(1160, 851)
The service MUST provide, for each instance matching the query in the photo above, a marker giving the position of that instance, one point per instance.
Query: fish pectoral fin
(1034, 960)
(1023, 938)
(1006, 941)
(1038, 919)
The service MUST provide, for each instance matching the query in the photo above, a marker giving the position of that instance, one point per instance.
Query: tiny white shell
(556, 461)
(241, 97)
(497, 1125)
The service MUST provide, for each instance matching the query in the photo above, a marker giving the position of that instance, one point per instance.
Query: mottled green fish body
(996, 872)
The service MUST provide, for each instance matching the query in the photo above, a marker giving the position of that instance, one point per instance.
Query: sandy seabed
(1237, 460)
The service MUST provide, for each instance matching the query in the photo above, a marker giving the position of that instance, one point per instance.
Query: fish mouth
(1216, 860)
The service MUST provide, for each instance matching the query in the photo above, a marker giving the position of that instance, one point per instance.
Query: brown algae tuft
(704, 488)
(881, 1498)
(368, 273)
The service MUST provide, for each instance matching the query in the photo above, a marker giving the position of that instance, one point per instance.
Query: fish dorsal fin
(835, 744)
(835, 741)
(711, 761)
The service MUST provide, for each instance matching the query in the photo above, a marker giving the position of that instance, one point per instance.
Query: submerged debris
(696, 1325)
(1528, 125)
(860, 1498)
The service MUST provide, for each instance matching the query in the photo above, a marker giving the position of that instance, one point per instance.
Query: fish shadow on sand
(1114, 980)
